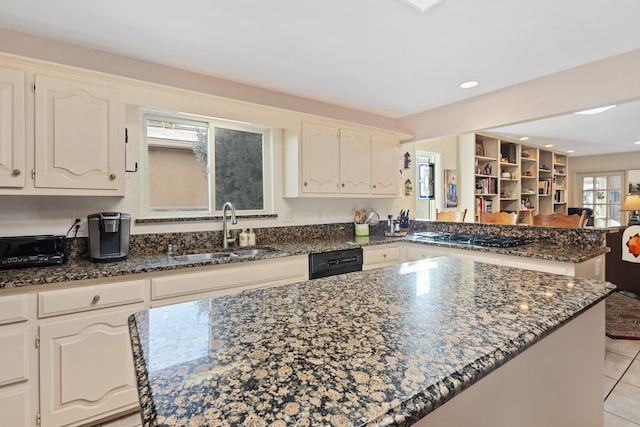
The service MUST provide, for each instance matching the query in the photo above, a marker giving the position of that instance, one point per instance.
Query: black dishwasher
(325, 264)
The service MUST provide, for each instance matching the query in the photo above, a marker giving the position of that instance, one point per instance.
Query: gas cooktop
(470, 239)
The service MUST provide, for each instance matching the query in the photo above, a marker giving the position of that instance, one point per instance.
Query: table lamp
(632, 204)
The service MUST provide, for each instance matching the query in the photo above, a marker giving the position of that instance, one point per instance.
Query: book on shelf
(544, 186)
(484, 205)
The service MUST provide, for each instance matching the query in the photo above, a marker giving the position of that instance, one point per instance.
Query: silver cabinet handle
(96, 298)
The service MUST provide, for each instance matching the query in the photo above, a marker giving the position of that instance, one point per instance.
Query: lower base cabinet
(86, 368)
(15, 406)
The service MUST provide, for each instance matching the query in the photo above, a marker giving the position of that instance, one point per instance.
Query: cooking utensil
(372, 218)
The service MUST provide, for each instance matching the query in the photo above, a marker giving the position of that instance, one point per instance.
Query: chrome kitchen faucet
(226, 233)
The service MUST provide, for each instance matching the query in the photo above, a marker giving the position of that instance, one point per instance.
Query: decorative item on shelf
(408, 187)
(487, 169)
(407, 160)
(479, 148)
(505, 174)
(525, 154)
(503, 160)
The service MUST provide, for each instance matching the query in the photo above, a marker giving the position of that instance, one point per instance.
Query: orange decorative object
(634, 245)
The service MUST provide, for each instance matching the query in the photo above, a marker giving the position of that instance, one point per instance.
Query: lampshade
(631, 203)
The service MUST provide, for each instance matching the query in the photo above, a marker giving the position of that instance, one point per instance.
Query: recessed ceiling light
(571, 151)
(596, 110)
(548, 145)
(421, 5)
(637, 142)
(469, 84)
(524, 138)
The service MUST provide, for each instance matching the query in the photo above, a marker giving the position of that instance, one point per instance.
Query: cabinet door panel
(15, 407)
(86, 368)
(320, 159)
(355, 162)
(384, 168)
(12, 128)
(14, 356)
(76, 135)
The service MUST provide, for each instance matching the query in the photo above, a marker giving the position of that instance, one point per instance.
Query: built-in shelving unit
(513, 177)
(559, 183)
(486, 174)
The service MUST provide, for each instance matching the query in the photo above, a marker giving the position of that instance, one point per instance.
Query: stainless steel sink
(205, 257)
(214, 256)
(253, 252)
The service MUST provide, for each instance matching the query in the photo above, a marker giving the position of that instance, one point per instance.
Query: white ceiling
(379, 56)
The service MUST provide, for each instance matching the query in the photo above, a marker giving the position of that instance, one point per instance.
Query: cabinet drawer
(242, 276)
(381, 255)
(416, 252)
(14, 309)
(64, 301)
(14, 359)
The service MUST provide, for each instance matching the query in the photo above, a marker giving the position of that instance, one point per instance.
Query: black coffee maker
(109, 236)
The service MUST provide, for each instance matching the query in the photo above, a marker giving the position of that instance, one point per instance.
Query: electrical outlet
(288, 215)
(76, 221)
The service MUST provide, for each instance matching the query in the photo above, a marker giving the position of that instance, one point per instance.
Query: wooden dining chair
(498, 218)
(451, 216)
(561, 220)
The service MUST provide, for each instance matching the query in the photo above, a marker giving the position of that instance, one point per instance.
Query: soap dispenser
(251, 237)
(243, 238)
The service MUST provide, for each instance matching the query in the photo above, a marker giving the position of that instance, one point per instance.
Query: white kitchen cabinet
(384, 169)
(355, 162)
(78, 143)
(18, 382)
(227, 279)
(330, 161)
(320, 159)
(86, 364)
(12, 128)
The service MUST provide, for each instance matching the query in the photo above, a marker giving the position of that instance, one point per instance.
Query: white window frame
(267, 163)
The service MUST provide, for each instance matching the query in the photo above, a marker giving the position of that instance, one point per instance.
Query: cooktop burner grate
(471, 239)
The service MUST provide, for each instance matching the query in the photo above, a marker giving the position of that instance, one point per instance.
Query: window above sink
(193, 164)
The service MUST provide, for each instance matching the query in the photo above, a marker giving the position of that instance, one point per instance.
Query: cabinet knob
(96, 298)
(305, 184)
(16, 172)
(343, 184)
(384, 255)
(112, 176)
(374, 186)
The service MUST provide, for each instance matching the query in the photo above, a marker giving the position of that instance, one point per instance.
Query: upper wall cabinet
(12, 127)
(328, 161)
(76, 135)
(60, 134)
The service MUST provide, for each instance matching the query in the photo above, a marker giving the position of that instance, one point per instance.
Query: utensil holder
(362, 229)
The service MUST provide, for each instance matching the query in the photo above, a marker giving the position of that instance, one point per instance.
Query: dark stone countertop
(379, 348)
(83, 269)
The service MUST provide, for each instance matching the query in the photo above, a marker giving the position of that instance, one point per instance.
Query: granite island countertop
(376, 348)
(83, 269)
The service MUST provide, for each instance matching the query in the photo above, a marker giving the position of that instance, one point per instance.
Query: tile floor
(622, 383)
(621, 387)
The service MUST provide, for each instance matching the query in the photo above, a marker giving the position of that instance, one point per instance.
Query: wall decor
(633, 178)
(450, 188)
(631, 244)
